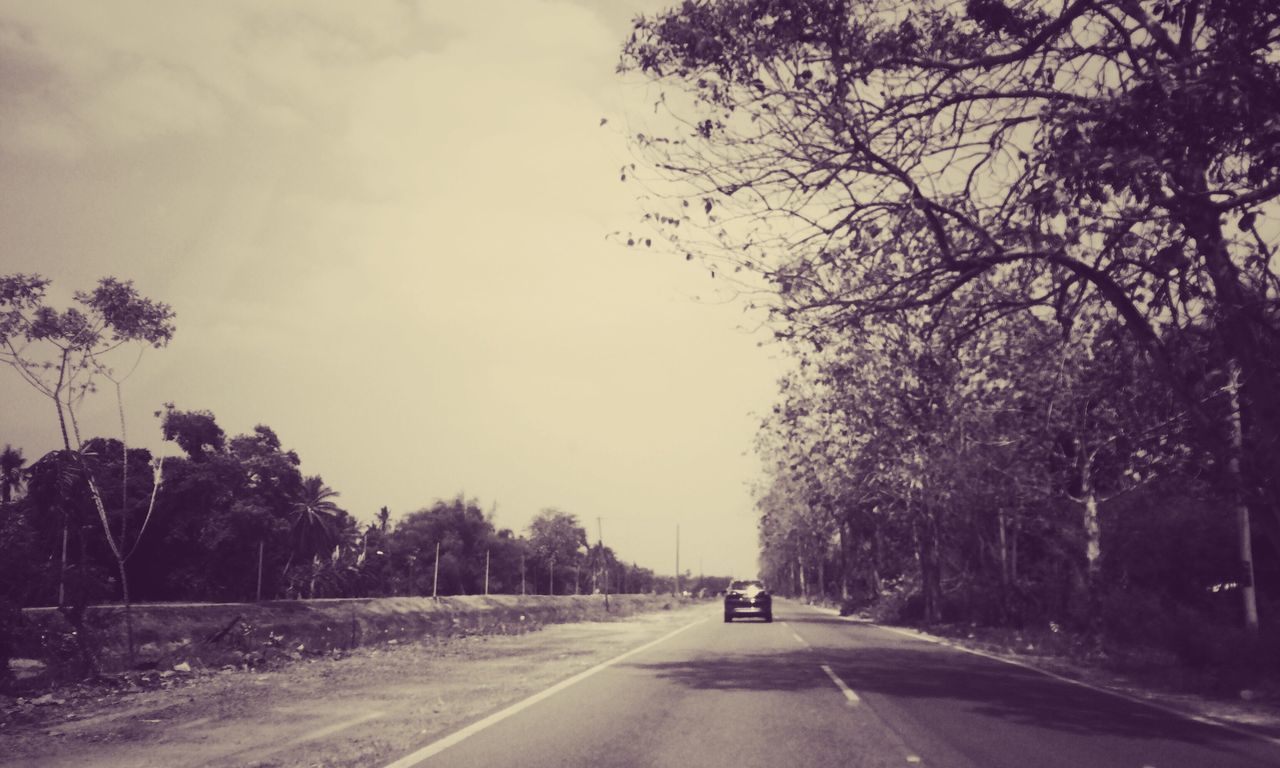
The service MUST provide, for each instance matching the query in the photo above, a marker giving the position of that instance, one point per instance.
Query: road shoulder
(370, 708)
(1249, 718)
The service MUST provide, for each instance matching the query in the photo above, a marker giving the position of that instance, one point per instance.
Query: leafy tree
(558, 542)
(62, 353)
(230, 520)
(11, 476)
(868, 157)
(463, 534)
(196, 432)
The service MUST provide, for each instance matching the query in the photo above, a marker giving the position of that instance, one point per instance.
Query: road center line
(448, 741)
(845, 689)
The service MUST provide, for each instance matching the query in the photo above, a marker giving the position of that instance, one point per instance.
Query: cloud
(383, 230)
(99, 76)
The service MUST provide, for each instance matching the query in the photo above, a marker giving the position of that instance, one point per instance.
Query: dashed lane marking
(849, 695)
(917, 635)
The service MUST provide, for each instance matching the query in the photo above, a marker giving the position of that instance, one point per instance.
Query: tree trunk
(1092, 536)
(1002, 553)
(930, 568)
(804, 583)
(1013, 548)
(1236, 485)
(822, 578)
(66, 443)
(62, 568)
(128, 612)
(844, 564)
(1002, 531)
(1239, 329)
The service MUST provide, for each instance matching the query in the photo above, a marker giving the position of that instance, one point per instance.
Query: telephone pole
(677, 560)
(604, 563)
(435, 577)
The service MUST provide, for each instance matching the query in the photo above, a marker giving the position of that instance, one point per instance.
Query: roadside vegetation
(232, 518)
(1023, 257)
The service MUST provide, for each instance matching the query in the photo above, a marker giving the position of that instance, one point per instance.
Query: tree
(867, 157)
(229, 520)
(11, 476)
(463, 534)
(314, 519)
(196, 432)
(558, 540)
(62, 354)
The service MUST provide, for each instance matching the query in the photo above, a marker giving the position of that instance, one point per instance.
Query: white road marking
(441, 745)
(917, 635)
(913, 759)
(800, 639)
(320, 733)
(845, 689)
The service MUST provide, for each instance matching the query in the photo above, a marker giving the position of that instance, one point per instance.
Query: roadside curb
(1242, 729)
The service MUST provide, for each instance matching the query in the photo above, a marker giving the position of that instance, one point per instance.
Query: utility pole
(486, 573)
(677, 560)
(435, 578)
(522, 574)
(604, 563)
(260, 543)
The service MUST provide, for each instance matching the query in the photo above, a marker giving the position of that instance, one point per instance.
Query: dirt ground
(367, 708)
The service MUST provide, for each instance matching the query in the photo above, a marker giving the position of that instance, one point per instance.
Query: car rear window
(746, 584)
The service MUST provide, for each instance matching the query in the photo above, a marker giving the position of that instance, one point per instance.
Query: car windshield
(742, 586)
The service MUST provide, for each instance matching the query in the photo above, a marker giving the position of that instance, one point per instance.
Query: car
(747, 598)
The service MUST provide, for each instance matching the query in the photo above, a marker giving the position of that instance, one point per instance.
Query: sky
(384, 230)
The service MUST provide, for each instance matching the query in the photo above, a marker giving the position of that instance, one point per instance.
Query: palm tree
(11, 474)
(314, 518)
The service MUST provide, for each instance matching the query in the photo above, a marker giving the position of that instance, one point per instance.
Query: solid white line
(845, 689)
(497, 717)
(1202, 719)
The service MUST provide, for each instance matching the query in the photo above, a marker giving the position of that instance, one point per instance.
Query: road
(811, 689)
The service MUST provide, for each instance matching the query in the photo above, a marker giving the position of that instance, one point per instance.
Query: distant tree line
(236, 519)
(1019, 255)
(232, 518)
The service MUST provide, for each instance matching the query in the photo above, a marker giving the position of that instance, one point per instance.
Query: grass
(256, 634)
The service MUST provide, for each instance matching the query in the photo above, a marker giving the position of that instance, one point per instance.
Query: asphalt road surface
(811, 689)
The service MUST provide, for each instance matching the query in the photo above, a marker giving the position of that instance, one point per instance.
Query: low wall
(215, 635)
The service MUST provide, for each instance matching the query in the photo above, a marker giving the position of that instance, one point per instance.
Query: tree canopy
(1019, 253)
